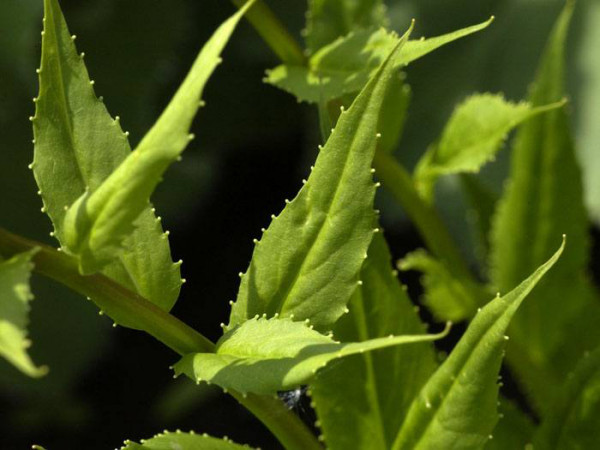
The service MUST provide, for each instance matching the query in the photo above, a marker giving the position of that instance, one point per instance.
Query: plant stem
(131, 310)
(399, 182)
(272, 31)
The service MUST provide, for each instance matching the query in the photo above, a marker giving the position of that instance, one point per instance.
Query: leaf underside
(264, 356)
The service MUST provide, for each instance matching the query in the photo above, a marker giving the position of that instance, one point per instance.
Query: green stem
(435, 234)
(131, 310)
(272, 31)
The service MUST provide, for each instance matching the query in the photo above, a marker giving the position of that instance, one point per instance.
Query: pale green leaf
(457, 408)
(327, 20)
(514, 429)
(77, 146)
(99, 220)
(15, 296)
(472, 137)
(573, 420)
(178, 440)
(345, 65)
(264, 356)
(383, 383)
(306, 264)
(545, 198)
(448, 297)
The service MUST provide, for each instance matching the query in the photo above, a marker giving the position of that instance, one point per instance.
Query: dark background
(254, 144)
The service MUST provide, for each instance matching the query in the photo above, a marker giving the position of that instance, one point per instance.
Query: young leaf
(472, 137)
(183, 441)
(545, 198)
(573, 421)
(375, 399)
(457, 406)
(327, 20)
(448, 297)
(344, 66)
(14, 309)
(99, 220)
(393, 113)
(264, 356)
(307, 263)
(77, 146)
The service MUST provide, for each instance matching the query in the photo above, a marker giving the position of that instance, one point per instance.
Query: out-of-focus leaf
(457, 407)
(264, 356)
(471, 138)
(393, 113)
(327, 20)
(307, 263)
(448, 297)
(15, 295)
(545, 199)
(573, 420)
(345, 65)
(514, 429)
(77, 145)
(376, 397)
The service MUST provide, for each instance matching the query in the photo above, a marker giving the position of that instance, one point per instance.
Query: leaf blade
(183, 441)
(15, 295)
(77, 145)
(307, 263)
(440, 416)
(264, 356)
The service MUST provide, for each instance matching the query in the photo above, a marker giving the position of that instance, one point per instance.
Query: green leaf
(77, 146)
(14, 310)
(264, 356)
(344, 66)
(457, 406)
(448, 297)
(472, 137)
(99, 220)
(514, 430)
(573, 421)
(393, 113)
(307, 263)
(375, 399)
(327, 20)
(183, 441)
(545, 198)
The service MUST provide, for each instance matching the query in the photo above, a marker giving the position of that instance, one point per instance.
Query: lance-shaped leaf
(264, 356)
(307, 263)
(15, 296)
(448, 297)
(178, 440)
(327, 20)
(573, 420)
(393, 113)
(376, 397)
(472, 137)
(457, 408)
(345, 65)
(97, 222)
(77, 146)
(545, 198)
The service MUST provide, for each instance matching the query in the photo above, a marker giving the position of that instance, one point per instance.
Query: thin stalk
(273, 32)
(131, 310)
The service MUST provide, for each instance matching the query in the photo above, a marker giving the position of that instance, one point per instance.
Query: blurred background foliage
(254, 144)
